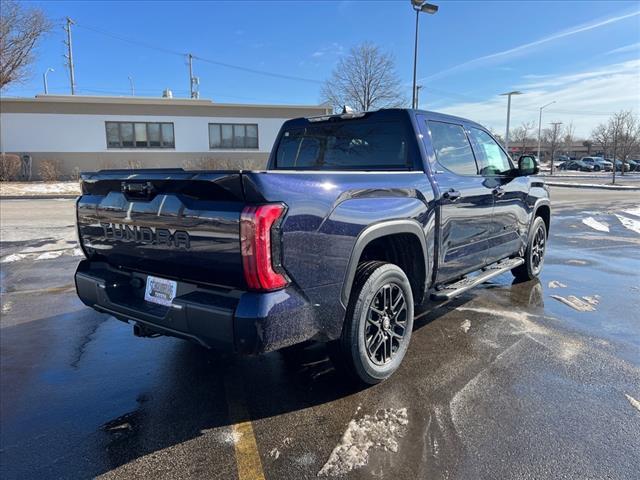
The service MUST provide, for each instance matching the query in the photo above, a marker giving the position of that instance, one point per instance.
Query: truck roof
(383, 113)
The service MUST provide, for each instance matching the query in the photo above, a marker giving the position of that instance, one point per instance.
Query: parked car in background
(577, 165)
(598, 163)
(619, 165)
(634, 165)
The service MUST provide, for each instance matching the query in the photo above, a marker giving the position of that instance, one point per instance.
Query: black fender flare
(372, 232)
(541, 202)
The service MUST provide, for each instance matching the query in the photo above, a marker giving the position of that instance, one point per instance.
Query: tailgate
(171, 223)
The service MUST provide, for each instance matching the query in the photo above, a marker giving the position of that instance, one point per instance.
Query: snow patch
(556, 284)
(14, 257)
(275, 453)
(595, 224)
(41, 255)
(576, 262)
(633, 211)
(465, 326)
(575, 303)
(634, 403)
(231, 437)
(630, 223)
(50, 255)
(39, 188)
(592, 299)
(381, 430)
(7, 306)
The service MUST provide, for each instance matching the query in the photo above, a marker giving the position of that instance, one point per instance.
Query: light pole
(44, 79)
(540, 126)
(133, 88)
(418, 87)
(418, 6)
(506, 135)
(556, 133)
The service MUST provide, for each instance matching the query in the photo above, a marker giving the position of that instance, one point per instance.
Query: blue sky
(583, 55)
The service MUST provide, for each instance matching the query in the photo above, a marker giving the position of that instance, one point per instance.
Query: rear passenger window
(452, 147)
(492, 159)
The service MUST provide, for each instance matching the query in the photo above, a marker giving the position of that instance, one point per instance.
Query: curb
(37, 197)
(600, 187)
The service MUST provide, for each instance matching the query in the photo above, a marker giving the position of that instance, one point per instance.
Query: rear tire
(534, 255)
(378, 324)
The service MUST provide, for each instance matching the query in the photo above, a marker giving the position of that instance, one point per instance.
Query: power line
(202, 59)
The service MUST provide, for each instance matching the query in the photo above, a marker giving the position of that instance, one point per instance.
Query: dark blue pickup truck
(357, 218)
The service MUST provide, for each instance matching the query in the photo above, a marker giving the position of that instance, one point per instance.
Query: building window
(233, 135)
(140, 135)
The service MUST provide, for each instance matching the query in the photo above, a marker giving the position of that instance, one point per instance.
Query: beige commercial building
(83, 133)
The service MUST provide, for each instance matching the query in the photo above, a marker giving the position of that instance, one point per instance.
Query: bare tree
(20, 30)
(553, 138)
(496, 135)
(365, 79)
(568, 137)
(520, 135)
(619, 137)
(588, 144)
(626, 130)
(602, 135)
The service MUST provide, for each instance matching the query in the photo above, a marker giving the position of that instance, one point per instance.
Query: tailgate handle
(138, 189)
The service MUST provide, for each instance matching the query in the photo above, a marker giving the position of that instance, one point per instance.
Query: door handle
(498, 192)
(451, 195)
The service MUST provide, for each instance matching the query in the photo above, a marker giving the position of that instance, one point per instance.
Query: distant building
(577, 149)
(85, 133)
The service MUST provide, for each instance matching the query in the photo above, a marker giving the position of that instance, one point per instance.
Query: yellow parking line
(248, 462)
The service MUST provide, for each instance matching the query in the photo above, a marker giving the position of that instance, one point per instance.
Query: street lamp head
(424, 7)
(515, 92)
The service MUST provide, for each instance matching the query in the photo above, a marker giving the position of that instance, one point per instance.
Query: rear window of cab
(349, 145)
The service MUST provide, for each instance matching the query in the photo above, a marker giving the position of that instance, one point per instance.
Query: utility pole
(193, 81)
(190, 75)
(70, 56)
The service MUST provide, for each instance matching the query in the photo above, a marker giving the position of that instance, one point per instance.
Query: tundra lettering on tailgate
(146, 235)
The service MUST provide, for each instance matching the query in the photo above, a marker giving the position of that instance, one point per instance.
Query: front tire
(534, 255)
(379, 320)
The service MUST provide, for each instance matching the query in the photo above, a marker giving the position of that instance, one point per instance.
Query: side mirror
(527, 165)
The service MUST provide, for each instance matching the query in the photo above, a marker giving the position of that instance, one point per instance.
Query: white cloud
(583, 98)
(505, 55)
(634, 47)
(333, 49)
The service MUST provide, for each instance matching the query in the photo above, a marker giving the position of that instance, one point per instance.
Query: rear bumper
(232, 320)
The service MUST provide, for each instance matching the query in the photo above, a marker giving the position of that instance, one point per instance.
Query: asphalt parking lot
(532, 380)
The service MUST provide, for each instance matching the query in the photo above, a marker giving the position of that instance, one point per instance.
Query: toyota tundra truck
(357, 218)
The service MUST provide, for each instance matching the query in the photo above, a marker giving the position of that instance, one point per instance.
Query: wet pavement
(533, 380)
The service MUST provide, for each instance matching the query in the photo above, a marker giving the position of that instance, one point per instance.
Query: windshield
(344, 146)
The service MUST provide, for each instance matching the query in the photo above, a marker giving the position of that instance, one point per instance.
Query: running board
(447, 292)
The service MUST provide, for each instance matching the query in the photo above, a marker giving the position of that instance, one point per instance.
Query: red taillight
(260, 270)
